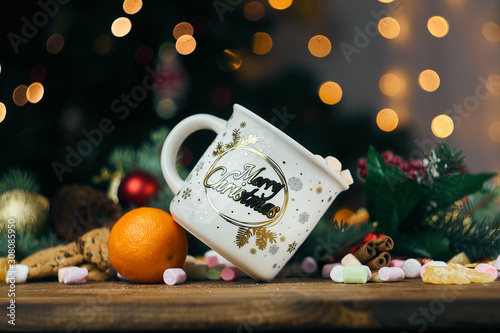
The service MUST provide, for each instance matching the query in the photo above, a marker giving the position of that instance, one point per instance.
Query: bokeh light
(330, 93)
(229, 60)
(438, 26)
(166, 108)
(132, 6)
(167, 52)
(386, 1)
(121, 27)
(55, 43)
(0, 68)
(429, 80)
(280, 4)
(319, 46)
(494, 131)
(387, 120)
(103, 43)
(38, 73)
(343, 214)
(144, 55)
(35, 92)
(491, 32)
(389, 84)
(183, 28)
(185, 44)
(442, 126)
(3, 111)
(389, 27)
(493, 84)
(19, 95)
(254, 10)
(261, 43)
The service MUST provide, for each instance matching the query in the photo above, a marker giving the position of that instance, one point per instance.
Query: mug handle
(176, 137)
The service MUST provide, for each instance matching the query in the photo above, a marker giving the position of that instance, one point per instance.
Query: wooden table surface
(248, 306)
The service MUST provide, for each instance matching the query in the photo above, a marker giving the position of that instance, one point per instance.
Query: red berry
(387, 155)
(362, 163)
(404, 167)
(416, 164)
(363, 173)
(396, 161)
(412, 174)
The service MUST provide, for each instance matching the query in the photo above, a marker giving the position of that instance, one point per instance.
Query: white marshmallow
(61, 271)
(346, 175)
(411, 267)
(387, 274)
(76, 275)
(319, 157)
(17, 273)
(337, 273)
(333, 163)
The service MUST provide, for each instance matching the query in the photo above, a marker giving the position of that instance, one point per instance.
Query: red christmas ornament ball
(137, 188)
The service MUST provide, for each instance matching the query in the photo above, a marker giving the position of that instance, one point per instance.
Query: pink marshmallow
(309, 265)
(174, 276)
(325, 271)
(387, 274)
(497, 263)
(230, 273)
(487, 269)
(212, 261)
(396, 263)
(76, 275)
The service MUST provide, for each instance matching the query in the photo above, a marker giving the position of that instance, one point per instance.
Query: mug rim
(286, 137)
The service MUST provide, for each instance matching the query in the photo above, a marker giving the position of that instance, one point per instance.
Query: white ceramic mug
(254, 195)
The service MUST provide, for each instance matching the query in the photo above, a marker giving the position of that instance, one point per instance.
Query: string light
(438, 26)
(261, 43)
(3, 111)
(491, 32)
(389, 27)
(55, 43)
(319, 46)
(387, 120)
(442, 126)
(254, 11)
(132, 6)
(280, 4)
(19, 95)
(494, 131)
(183, 28)
(121, 27)
(330, 93)
(429, 80)
(35, 92)
(229, 60)
(185, 44)
(390, 84)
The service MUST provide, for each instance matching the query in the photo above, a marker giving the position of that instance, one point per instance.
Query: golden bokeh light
(343, 214)
(330, 93)
(438, 26)
(3, 111)
(280, 4)
(166, 108)
(494, 131)
(389, 27)
(429, 80)
(121, 27)
(491, 32)
(183, 28)
(386, 1)
(390, 84)
(35, 92)
(493, 84)
(132, 6)
(261, 43)
(55, 43)
(319, 46)
(254, 11)
(387, 120)
(442, 126)
(19, 95)
(229, 60)
(185, 44)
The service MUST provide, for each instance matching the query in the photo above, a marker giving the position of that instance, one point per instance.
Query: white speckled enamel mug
(254, 195)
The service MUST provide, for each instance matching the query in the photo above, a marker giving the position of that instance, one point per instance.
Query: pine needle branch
(16, 178)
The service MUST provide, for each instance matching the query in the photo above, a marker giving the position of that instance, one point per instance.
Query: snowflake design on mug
(274, 249)
(303, 218)
(187, 193)
(199, 167)
(295, 184)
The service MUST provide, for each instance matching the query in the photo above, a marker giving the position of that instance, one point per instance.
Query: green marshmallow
(196, 271)
(355, 274)
(214, 273)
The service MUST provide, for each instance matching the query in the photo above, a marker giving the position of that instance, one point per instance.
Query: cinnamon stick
(381, 260)
(384, 244)
(366, 252)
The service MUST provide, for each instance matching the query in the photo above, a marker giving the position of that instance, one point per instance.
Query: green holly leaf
(390, 195)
